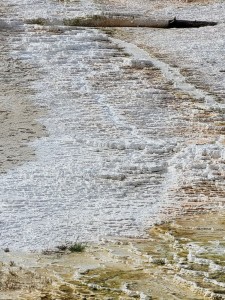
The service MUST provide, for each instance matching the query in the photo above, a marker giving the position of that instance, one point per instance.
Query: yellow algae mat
(183, 259)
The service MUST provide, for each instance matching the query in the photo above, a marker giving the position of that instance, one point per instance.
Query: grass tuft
(77, 247)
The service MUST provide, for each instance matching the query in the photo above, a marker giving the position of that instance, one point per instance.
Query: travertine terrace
(107, 132)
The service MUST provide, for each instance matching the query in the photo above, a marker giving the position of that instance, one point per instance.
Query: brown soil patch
(18, 115)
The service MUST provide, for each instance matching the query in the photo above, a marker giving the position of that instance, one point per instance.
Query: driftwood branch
(103, 21)
(112, 21)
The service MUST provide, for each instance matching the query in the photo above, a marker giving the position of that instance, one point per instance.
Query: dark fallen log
(115, 21)
(186, 24)
(105, 21)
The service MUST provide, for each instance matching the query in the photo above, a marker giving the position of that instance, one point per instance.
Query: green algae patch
(114, 278)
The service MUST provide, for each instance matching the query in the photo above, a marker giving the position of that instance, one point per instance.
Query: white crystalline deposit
(128, 138)
(203, 162)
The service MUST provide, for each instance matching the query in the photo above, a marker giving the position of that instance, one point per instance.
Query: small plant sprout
(77, 247)
(12, 263)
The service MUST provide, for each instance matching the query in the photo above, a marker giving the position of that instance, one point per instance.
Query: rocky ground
(104, 133)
